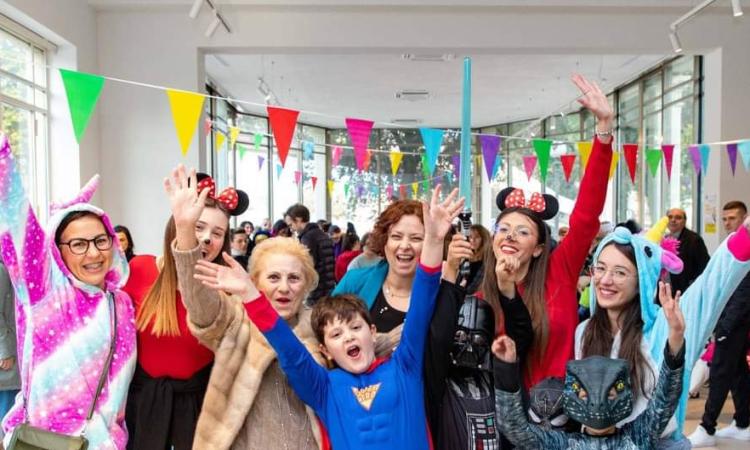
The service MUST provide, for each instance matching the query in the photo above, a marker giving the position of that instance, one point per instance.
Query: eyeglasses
(80, 246)
(619, 276)
(524, 232)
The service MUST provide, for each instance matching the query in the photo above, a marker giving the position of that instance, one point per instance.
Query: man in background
(692, 251)
(320, 246)
(239, 246)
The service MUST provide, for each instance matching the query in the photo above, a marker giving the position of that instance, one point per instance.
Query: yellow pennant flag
(330, 188)
(234, 133)
(613, 166)
(220, 138)
(395, 156)
(186, 110)
(584, 149)
(415, 188)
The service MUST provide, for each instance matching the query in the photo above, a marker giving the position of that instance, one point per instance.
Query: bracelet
(603, 134)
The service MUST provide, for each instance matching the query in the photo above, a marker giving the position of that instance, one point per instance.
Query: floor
(695, 411)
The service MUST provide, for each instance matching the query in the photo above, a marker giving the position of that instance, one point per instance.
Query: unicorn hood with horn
(701, 304)
(65, 327)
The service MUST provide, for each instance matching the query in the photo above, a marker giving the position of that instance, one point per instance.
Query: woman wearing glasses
(626, 321)
(75, 326)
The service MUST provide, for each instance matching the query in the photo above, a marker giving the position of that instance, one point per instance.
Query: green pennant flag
(543, 147)
(346, 189)
(258, 139)
(653, 158)
(425, 169)
(426, 188)
(82, 90)
(241, 149)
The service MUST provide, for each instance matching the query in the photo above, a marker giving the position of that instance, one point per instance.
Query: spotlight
(676, 46)
(213, 26)
(195, 9)
(736, 8)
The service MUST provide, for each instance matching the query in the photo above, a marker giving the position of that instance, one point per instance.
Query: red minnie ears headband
(234, 201)
(544, 206)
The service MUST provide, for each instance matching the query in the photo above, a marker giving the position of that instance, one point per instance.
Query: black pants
(729, 371)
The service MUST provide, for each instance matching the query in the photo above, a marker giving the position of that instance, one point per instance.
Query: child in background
(364, 403)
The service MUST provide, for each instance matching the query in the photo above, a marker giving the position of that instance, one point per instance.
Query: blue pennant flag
(433, 140)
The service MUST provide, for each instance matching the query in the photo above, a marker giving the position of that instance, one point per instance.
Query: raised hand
(593, 99)
(438, 216)
(508, 274)
(671, 306)
(184, 201)
(232, 278)
(458, 250)
(504, 349)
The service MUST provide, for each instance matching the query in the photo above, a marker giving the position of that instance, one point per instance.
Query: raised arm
(24, 246)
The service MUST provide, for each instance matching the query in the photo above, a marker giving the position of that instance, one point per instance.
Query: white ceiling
(505, 87)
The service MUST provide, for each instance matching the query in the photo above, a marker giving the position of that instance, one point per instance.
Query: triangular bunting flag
(744, 149)
(207, 125)
(279, 168)
(336, 155)
(331, 185)
(613, 166)
(456, 161)
(732, 154)
(425, 169)
(402, 191)
(631, 158)
(542, 147)
(346, 189)
(395, 156)
(529, 163)
(82, 90)
(241, 149)
(220, 138)
(695, 157)
(234, 133)
(584, 149)
(389, 191)
(260, 161)
(433, 140)
(368, 159)
(297, 176)
(414, 189)
(567, 162)
(705, 152)
(425, 186)
(307, 149)
(186, 110)
(314, 181)
(359, 133)
(668, 151)
(653, 158)
(283, 122)
(490, 148)
(496, 167)
(257, 140)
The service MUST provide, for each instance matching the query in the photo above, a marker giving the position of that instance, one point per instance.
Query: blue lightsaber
(464, 179)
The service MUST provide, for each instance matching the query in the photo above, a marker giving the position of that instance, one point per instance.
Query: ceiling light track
(218, 19)
(675, 40)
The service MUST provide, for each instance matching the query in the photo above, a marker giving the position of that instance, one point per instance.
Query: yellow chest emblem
(366, 395)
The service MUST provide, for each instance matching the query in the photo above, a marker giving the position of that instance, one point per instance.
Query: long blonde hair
(158, 310)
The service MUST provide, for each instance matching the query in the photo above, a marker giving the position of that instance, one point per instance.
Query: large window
(23, 106)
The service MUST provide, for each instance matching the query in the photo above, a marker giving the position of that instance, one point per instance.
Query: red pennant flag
(631, 157)
(368, 159)
(668, 150)
(359, 133)
(314, 181)
(567, 163)
(336, 157)
(283, 121)
(402, 191)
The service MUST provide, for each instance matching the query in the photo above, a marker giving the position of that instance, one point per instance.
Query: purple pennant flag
(456, 160)
(490, 146)
(260, 161)
(732, 153)
(695, 157)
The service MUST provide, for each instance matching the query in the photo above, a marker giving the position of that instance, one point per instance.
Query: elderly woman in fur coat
(248, 404)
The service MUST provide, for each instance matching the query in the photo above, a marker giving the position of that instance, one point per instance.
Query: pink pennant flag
(359, 133)
(732, 154)
(336, 156)
(297, 176)
(402, 191)
(695, 156)
(668, 150)
(529, 163)
(314, 181)
(389, 191)
(207, 126)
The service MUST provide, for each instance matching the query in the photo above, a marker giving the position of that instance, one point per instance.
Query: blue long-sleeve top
(395, 417)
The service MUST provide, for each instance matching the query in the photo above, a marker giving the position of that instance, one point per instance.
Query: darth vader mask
(597, 391)
(474, 333)
(546, 403)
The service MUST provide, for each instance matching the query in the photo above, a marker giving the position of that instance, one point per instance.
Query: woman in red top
(351, 247)
(171, 378)
(547, 281)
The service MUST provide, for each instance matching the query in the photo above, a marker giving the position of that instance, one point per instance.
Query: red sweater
(565, 265)
(178, 357)
(342, 263)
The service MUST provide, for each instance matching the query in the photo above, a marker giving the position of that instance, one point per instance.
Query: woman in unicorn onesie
(627, 323)
(69, 311)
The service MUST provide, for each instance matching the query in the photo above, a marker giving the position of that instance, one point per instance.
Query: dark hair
(280, 228)
(334, 229)
(344, 307)
(237, 231)
(389, 217)
(72, 217)
(735, 204)
(631, 225)
(299, 211)
(598, 337)
(324, 225)
(484, 234)
(131, 247)
(533, 296)
(348, 241)
(245, 223)
(363, 239)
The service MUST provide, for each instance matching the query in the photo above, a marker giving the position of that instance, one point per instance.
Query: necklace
(389, 292)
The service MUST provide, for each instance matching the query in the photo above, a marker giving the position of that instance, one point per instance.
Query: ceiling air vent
(413, 95)
(407, 122)
(426, 57)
